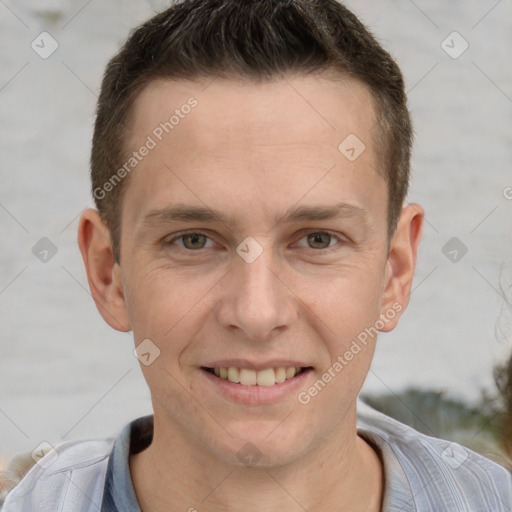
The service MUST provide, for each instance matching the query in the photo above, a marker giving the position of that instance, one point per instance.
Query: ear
(400, 264)
(103, 273)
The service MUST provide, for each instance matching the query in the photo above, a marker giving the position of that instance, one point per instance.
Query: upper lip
(254, 365)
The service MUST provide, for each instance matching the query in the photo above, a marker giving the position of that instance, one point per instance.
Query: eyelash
(328, 249)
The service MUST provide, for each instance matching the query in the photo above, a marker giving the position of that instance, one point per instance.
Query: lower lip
(255, 395)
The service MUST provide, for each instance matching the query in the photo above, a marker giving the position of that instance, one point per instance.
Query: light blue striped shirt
(422, 473)
(426, 474)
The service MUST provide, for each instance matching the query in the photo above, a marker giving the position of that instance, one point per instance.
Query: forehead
(285, 106)
(260, 140)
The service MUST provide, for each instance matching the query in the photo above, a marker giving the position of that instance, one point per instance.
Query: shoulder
(439, 471)
(73, 470)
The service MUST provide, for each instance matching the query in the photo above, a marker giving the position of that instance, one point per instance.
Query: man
(250, 164)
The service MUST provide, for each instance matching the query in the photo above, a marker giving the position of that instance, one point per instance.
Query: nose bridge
(256, 301)
(259, 279)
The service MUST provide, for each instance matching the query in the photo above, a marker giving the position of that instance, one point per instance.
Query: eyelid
(337, 236)
(169, 240)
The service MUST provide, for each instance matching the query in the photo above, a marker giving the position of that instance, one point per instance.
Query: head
(259, 220)
(256, 41)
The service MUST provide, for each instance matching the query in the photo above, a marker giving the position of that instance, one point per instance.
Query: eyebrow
(188, 213)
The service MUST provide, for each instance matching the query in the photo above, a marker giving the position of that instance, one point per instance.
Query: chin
(262, 449)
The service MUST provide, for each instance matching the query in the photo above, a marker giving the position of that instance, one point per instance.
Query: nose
(257, 301)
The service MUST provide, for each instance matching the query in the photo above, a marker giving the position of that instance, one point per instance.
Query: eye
(191, 241)
(320, 240)
(195, 241)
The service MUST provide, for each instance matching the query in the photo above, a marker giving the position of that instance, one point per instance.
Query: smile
(249, 377)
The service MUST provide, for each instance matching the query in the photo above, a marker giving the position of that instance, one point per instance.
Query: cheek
(346, 301)
(168, 310)
(154, 305)
(343, 315)
(344, 318)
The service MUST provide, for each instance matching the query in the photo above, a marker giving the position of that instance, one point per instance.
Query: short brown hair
(256, 40)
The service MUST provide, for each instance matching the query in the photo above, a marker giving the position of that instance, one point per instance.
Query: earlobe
(103, 273)
(401, 263)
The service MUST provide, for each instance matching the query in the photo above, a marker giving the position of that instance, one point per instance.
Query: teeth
(233, 375)
(266, 377)
(248, 377)
(280, 374)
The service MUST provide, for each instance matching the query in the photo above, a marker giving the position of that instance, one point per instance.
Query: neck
(176, 474)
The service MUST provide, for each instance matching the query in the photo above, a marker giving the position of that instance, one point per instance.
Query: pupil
(320, 238)
(194, 239)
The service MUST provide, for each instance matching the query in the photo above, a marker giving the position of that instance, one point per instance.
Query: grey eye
(319, 240)
(193, 241)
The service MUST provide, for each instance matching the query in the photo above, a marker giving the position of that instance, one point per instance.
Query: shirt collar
(136, 436)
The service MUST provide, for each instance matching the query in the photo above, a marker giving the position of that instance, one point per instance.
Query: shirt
(422, 473)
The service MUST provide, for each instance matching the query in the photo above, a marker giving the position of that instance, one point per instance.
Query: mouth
(266, 377)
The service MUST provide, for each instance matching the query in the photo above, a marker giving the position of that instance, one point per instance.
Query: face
(254, 244)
